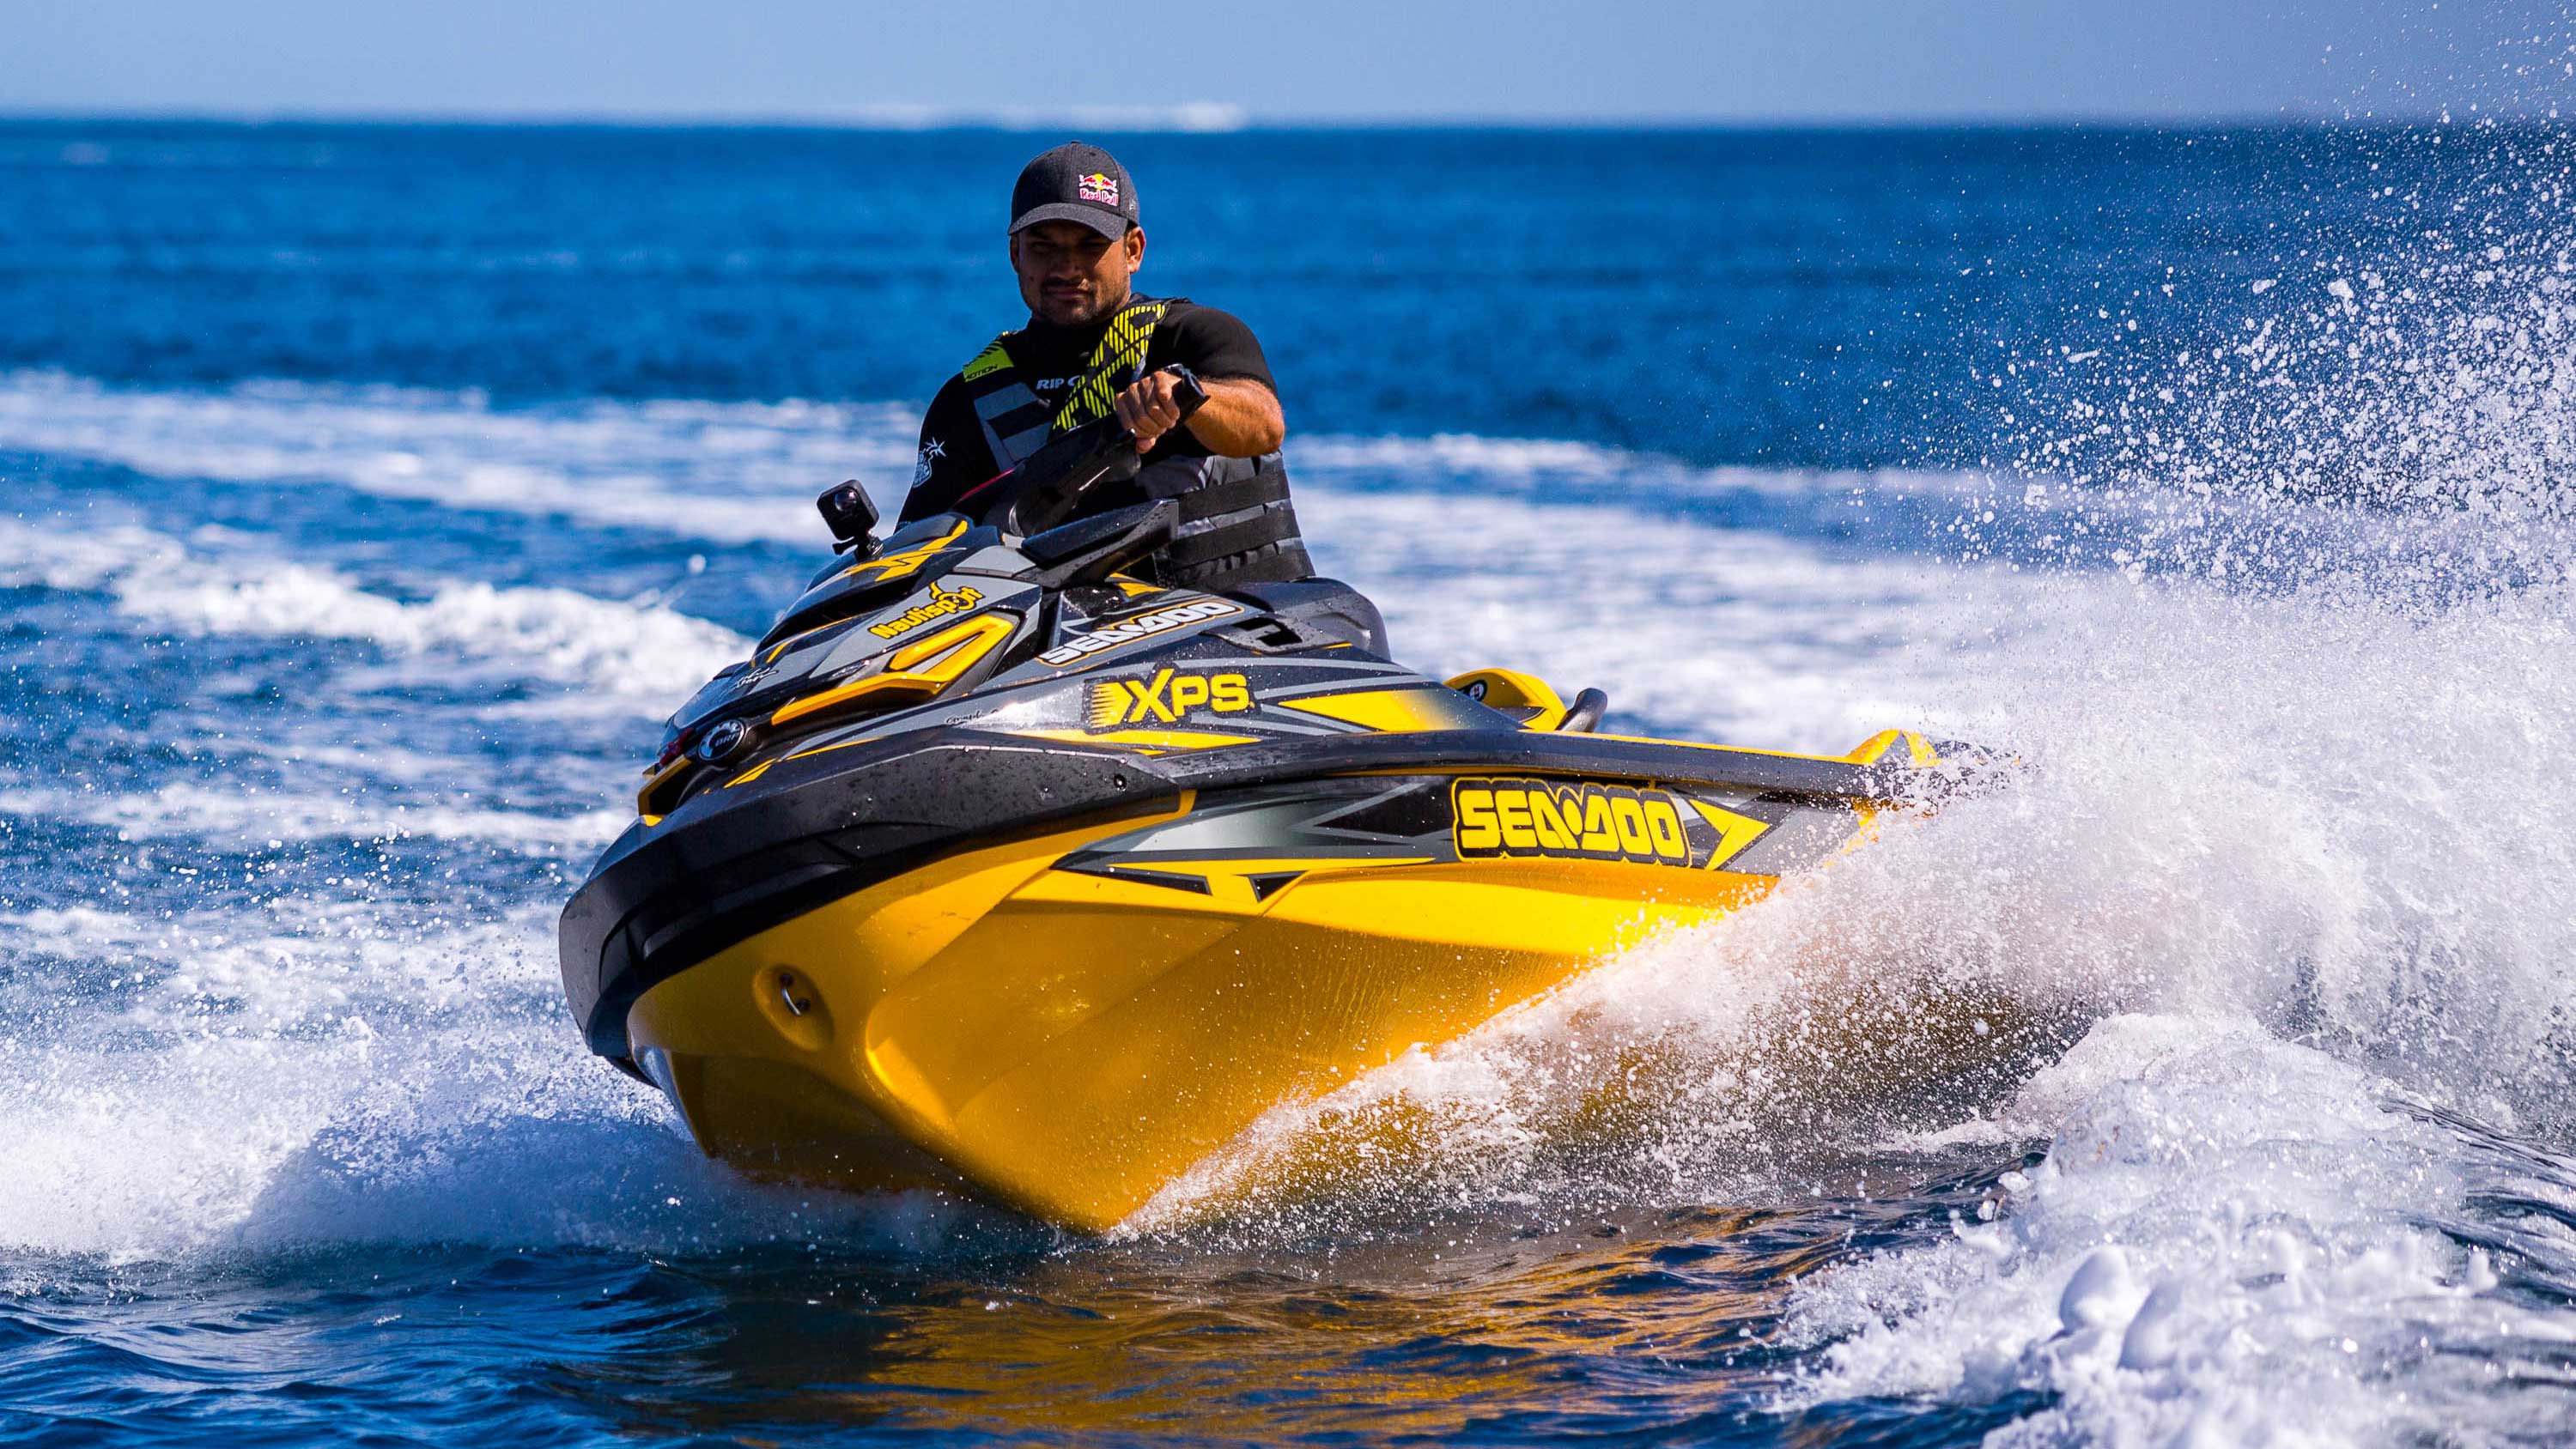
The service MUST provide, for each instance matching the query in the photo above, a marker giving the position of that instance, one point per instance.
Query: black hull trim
(1542, 753)
(733, 861)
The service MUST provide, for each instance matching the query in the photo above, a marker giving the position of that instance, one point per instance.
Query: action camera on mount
(851, 515)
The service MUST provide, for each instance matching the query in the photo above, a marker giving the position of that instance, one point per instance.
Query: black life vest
(1237, 525)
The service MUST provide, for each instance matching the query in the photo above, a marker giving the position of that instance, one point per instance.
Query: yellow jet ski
(1000, 870)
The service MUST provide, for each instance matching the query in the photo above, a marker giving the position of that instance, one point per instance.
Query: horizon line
(1224, 119)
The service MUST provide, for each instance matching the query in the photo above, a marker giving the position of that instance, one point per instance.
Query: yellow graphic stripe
(645, 798)
(781, 646)
(1115, 360)
(1734, 832)
(1142, 739)
(1395, 711)
(920, 670)
(992, 359)
(896, 565)
(1108, 705)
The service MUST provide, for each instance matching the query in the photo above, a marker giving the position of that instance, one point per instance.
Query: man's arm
(1240, 419)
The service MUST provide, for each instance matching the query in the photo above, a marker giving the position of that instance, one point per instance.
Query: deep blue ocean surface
(373, 491)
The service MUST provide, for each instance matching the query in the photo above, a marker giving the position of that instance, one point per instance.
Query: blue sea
(372, 492)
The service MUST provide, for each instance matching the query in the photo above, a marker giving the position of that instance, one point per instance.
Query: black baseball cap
(1075, 182)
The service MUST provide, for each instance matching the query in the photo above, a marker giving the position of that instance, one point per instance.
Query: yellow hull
(1069, 1043)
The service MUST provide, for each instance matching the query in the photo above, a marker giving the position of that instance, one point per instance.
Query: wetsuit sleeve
(1214, 344)
(952, 457)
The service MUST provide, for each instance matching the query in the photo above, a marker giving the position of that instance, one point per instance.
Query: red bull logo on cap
(1101, 187)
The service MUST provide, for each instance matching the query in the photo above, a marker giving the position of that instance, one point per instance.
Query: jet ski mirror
(1584, 715)
(851, 515)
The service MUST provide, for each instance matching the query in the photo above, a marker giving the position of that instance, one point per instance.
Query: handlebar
(1048, 486)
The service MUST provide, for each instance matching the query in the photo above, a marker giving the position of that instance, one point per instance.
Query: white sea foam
(70, 556)
(2231, 1240)
(251, 815)
(1566, 470)
(718, 471)
(632, 649)
(221, 583)
(349, 1075)
(1733, 633)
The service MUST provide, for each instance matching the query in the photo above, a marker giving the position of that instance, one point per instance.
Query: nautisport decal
(943, 602)
(1128, 631)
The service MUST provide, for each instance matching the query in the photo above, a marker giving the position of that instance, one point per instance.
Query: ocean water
(372, 492)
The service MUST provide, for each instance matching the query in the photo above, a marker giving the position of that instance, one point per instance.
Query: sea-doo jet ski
(999, 867)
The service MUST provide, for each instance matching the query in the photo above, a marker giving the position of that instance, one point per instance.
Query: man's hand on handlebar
(1152, 406)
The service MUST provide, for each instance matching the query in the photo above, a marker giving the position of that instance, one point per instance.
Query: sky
(1212, 63)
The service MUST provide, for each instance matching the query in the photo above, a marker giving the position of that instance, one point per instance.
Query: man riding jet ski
(1036, 851)
(1094, 349)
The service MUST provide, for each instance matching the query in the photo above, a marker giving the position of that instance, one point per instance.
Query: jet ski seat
(1327, 606)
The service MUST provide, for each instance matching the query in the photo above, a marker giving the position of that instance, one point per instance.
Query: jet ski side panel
(740, 858)
(1071, 1022)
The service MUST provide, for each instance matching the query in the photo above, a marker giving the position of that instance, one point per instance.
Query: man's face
(1070, 274)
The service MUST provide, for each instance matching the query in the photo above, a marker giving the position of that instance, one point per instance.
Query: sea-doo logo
(1128, 631)
(943, 602)
(1165, 698)
(1580, 821)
